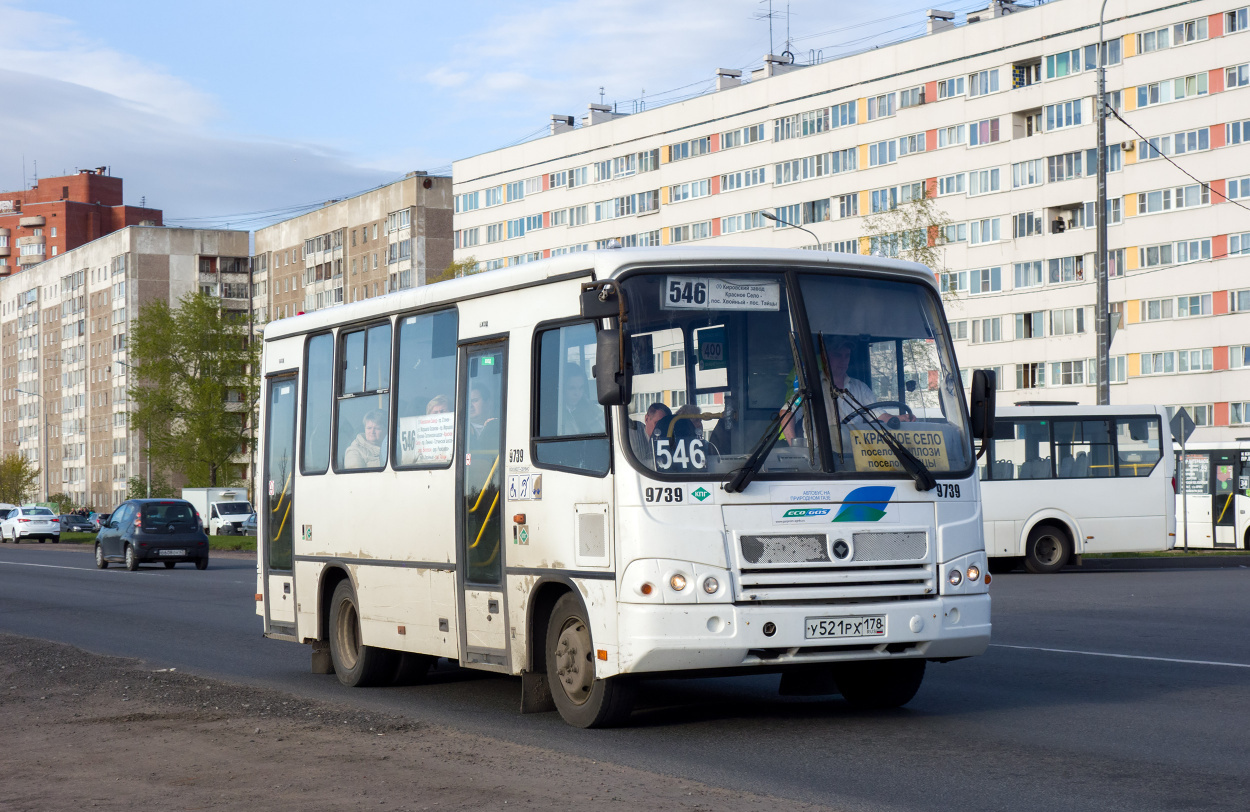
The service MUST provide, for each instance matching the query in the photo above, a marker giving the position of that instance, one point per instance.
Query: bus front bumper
(710, 636)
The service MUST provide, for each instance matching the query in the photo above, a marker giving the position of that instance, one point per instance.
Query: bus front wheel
(582, 700)
(1048, 550)
(879, 684)
(356, 664)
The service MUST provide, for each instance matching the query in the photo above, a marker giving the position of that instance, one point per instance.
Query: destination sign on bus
(872, 454)
(426, 438)
(711, 293)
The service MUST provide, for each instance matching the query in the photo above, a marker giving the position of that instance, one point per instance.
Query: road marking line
(46, 566)
(1121, 656)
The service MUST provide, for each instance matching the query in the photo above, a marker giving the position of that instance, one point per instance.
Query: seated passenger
(578, 413)
(366, 450)
(438, 405)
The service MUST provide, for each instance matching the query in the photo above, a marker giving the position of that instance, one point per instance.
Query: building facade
(60, 214)
(380, 241)
(63, 331)
(993, 122)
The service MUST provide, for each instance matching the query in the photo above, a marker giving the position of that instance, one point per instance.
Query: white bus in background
(1214, 498)
(441, 478)
(1060, 481)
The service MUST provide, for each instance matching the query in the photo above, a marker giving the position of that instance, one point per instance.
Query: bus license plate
(173, 552)
(816, 628)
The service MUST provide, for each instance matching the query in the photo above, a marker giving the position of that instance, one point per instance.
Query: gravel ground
(82, 731)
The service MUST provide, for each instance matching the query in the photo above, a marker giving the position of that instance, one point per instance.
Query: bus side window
(570, 428)
(364, 399)
(425, 383)
(318, 401)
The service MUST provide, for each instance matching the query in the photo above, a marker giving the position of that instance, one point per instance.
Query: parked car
(249, 525)
(75, 523)
(30, 522)
(149, 530)
(98, 520)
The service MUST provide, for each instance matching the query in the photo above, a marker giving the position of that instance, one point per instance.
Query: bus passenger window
(1083, 448)
(1138, 447)
(1021, 450)
(318, 401)
(364, 399)
(571, 430)
(425, 382)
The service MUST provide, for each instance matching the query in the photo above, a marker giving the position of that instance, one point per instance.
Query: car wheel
(879, 684)
(201, 563)
(132, 560)
(169, 565)
(356, 664)
(582, 700)
(1048, 550)
(100, 561)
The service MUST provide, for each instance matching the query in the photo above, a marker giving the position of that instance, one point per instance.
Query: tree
(195, 387)
(137, 487)
(19, 479)
(463, 267)
(914, 231)
(63, 501)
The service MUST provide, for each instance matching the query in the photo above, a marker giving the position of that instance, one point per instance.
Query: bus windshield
(717, 355)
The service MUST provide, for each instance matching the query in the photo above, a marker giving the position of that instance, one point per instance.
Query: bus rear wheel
(582, 700)
(356, 664)
(879, 684)
(1048, 550)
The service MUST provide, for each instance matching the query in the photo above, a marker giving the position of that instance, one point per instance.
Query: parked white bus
(1062, 481)
(458, 492)
(1215, 482)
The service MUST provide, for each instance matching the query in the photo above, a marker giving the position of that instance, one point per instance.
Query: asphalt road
(1110, 690)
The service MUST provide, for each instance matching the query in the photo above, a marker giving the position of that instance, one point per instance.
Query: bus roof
(604, 264)
(1075, 411)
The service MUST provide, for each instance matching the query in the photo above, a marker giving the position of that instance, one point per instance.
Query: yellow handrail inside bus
(481, 494)
(1227, 502)
(485, 521)
(285, 516)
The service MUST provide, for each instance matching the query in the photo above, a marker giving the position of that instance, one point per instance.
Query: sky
(236, 114)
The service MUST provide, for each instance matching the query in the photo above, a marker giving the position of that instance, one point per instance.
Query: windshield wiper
(924, 480)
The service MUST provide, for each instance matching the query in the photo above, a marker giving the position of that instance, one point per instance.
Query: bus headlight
(710, 585)
(677, 582)
(974, 572)
(955, 578)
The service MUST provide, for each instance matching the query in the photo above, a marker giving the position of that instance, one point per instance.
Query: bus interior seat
(1067, 466)
(1004, 469)
(1080, 467)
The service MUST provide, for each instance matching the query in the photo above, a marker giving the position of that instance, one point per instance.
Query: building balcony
(36, 221)
(5, 251)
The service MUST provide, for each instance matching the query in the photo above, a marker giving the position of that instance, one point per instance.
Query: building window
(949, 88)
(1063, 64)
(881, 106)
(1067, 321)
(983, 181)
(1066, 269)
(983, 231)
(1194, 360)
(1030, 325)
(982, 83)
(1158, 363)
(1026, 173)
(985, 280)
(983, 132)
(987, 330)
(1028, 274)
(1030, 376)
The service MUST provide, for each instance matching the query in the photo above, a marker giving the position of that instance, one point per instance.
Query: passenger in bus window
(482, 424)
(656, 420)
(687, 423)
(366, 450)
(721, 436)
(439, 404)
(578, 415)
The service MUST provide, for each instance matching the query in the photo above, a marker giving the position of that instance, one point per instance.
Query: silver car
(30, 522)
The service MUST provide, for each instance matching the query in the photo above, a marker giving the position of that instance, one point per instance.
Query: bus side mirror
(611, 382)
(600, 300)
(982, 403)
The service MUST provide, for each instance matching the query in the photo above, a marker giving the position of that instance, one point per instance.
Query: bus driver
(838, 408)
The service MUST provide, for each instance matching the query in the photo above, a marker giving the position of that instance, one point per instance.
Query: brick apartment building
(60, 214)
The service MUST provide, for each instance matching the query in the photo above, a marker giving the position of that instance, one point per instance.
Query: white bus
(1060, 481)
(440, 479)
(1214, 498)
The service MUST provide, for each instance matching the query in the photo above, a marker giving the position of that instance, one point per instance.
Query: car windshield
(38, 512)
(716, 355)
(233, 508)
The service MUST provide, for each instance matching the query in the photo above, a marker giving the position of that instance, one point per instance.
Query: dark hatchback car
(73, 523)
(149, 530)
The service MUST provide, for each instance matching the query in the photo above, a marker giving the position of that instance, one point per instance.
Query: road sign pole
(1184, 499)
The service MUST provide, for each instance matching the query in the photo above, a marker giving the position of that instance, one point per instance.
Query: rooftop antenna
(770, 15)
(601, 95)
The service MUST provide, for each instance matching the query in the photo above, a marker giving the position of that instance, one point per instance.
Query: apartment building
(383, 240)
(63, 330)
(994, 121)
(59, 214)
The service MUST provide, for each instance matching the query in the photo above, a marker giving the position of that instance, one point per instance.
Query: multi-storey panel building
(59, 214)
(994, 120)
(63, 330)
(379, 241)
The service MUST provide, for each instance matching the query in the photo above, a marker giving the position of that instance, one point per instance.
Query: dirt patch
(80, 731)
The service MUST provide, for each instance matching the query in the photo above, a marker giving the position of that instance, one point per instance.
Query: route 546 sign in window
(711, 293)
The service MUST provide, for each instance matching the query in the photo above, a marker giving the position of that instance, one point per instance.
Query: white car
(30, 522)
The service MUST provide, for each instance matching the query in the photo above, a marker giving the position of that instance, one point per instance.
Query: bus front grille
(837, 585)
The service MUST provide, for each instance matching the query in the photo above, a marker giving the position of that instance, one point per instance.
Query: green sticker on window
(488, 360)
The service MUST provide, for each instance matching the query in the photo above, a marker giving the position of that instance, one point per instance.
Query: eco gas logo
(701, 494)
(872, 501)
(801, 513)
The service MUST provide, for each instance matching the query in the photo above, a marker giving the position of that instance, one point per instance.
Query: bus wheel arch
(582, 699)
(1049, 546)
(542, 602)
(330, 578)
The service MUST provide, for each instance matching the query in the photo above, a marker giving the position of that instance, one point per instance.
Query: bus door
(278, 521)
(479, 503)
(1241, 501)
(1224, 483)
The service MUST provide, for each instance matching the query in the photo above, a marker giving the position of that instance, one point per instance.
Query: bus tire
(1047, 550)
(1004, 564)
(356, 664)
(879, 684)
(582, 700)
(412, 669)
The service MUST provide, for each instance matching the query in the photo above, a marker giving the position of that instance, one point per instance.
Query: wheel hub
(1048, 550)
(575, 670)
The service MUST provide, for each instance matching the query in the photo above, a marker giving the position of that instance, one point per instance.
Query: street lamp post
(777, 219)
(1102, 316)
(147, 441)
(45, 442)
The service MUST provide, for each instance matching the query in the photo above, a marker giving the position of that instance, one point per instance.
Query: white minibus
(1214, 498)
(625, 463)
(1060, 481)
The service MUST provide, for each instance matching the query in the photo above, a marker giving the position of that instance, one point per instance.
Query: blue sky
(239, 111)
